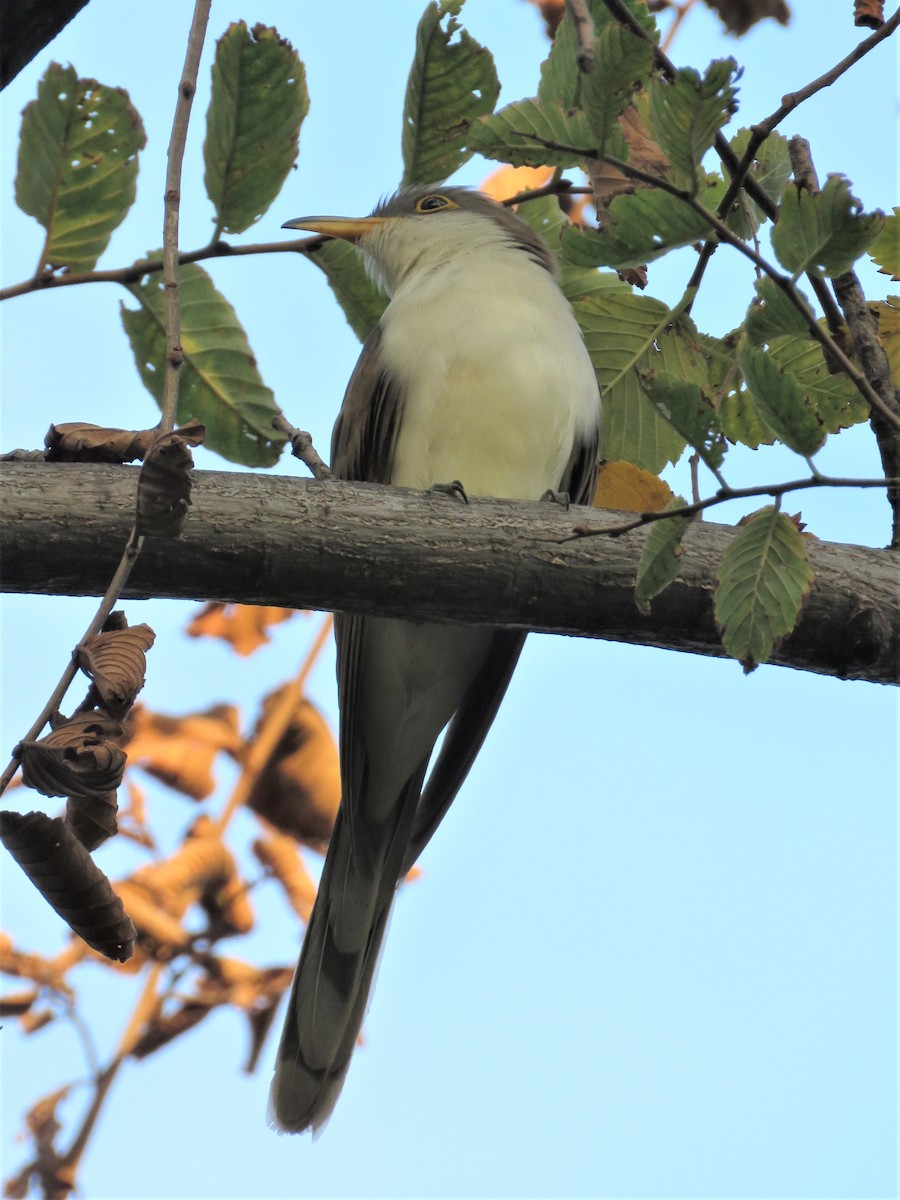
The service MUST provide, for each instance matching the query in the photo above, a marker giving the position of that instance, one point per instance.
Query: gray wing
(365, 433)
(362, 449)
(468, 729)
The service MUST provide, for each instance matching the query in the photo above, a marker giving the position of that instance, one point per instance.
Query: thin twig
(828, 343)
(135, 541)
(723, 496)
(580, 15)
(869, 350)
(275, 723)
(302, 447)
(681, 11)
(147, 266)
(738, 169)
(171, 208)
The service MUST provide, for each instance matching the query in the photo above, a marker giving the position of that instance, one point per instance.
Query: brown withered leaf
(165, 1029)
(181, 751)
(644, 155)
(76, 757)
(132, 819)
(740, 15)
(45, 971)
(553, 12)
(164, 484)
(31, 1022)
(161, 935)
(69, 880)
(243, 626)
(14, 1004)
(116, 662)
(279, 854)
(868, 14)
(299, 789)
(80, 441)
(627, 488)
(202, 870)
(508, 181)
(92, 818)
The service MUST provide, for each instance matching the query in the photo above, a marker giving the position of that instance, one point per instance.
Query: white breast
(498, 384)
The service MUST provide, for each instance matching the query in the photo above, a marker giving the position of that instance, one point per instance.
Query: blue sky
(653, 952)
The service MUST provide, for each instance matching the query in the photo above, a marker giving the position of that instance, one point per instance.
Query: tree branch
(361, 548)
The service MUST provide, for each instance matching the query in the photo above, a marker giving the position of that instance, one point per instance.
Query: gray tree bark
(266, 539)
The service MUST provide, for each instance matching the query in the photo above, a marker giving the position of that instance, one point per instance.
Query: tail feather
(337, 967)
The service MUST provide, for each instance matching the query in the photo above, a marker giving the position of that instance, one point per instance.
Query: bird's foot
(562, 498)
(453, 488)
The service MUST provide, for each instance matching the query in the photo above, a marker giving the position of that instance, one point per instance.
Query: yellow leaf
(625, 487)
(508, 181)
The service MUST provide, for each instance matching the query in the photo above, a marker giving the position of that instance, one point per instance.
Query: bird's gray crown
(406, 201)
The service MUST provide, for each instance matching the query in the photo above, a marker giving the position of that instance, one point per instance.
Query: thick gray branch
(264, 539)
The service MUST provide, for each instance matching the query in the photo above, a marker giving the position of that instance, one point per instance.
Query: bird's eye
(432, 203)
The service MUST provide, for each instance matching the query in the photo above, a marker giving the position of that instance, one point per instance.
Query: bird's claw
(562, 498)
(453, 488)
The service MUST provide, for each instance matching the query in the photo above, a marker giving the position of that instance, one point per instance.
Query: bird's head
(423, 227)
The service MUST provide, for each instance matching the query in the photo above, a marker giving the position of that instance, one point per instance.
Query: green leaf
(886, 248)
(219, 384)
(560, 78)
(78, 165)
(835, 400)
(660, 555)
(689, 411)
(621, 60)
(822, 234)
(739, 417)
(546, 218)
(451, 84)
(688, 112)
(259, 100)
(763, 580)
(626, 334)
(363, 301)
(527, 134)
(771, 169)
(781, 401)
(772, 314)
(641, 226)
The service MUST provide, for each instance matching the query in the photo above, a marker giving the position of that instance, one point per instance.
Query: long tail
(336, 970)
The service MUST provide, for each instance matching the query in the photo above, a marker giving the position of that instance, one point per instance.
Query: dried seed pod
(69, 880)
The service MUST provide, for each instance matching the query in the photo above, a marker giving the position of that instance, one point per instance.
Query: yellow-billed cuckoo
(476, 372)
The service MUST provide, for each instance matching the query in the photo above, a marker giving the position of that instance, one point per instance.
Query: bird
(476, 375)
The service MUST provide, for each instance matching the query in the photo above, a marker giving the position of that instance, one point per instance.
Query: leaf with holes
(659, 561)
(781, 401)
(622, 61)
(688, 410)
(640, 227)
(527, 134)
(258, 103)
(771, 169)
(78, 165)
(452, 83)
(561, 79)
(73, 758)
(220, 383)
(885, 250)
(764, 579)
(687, 112)
(772, 314)
(823, 234)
